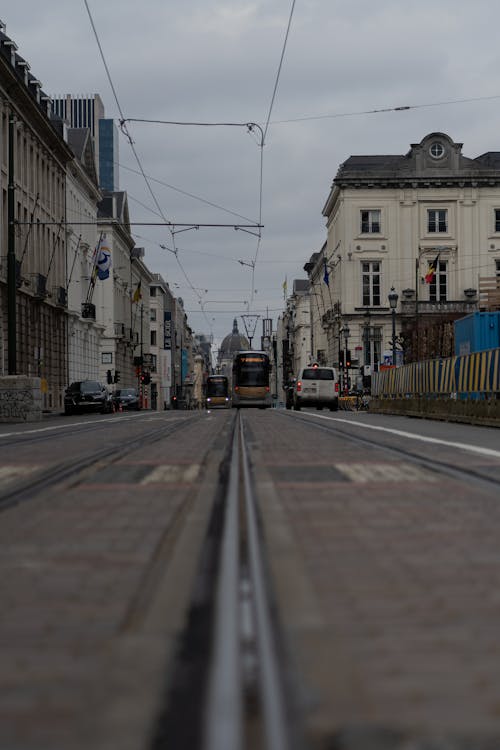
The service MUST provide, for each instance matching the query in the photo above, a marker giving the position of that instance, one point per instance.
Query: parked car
(86, 395)
(127, 398)
(316, 386)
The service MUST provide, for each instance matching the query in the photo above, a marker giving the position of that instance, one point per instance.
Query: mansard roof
(80, 142)
(447, 166)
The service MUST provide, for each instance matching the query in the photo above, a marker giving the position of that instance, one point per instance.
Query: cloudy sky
(217, 61)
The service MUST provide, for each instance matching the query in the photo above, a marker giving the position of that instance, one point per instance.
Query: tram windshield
(217, 386)
(252, 370)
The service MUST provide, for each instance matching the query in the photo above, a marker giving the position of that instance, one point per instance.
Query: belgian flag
(431, 270)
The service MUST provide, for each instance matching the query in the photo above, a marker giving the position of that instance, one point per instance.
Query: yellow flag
(137, 294)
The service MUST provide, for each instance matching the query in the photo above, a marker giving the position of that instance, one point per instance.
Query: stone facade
(390, 217)
(20, 399)
(39, 164)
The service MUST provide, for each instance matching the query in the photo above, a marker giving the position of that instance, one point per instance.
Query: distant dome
(232, 343)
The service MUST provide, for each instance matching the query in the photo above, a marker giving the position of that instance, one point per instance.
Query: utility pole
(11, 256)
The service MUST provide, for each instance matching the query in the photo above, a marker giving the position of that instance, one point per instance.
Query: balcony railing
(88, 310)
(425, 307)
(61, 296)
(40, 286)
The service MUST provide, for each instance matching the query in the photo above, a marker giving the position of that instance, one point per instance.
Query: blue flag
(326, 275)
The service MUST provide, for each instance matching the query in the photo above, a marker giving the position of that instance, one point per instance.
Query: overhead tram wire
(128, 136)
(266, 127)
(251, 126)
(189, 195)
(131, 143)
(384, 110)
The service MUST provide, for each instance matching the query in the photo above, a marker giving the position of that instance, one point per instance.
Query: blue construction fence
(474, 375)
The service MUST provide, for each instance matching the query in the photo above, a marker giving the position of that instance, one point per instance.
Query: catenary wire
(139, 163)
(266, 126)
(382, 110)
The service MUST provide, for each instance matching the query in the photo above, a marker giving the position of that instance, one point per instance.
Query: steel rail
(225, 698)
(39, 481)
(225, 704)
(271, 687)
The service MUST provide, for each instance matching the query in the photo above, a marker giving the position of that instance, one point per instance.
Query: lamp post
(346, 333)
(393, 303)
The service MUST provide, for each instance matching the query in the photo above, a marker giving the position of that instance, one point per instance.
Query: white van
(316, 386)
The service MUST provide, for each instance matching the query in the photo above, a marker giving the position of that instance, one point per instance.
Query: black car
(126, 398)
(86, 395)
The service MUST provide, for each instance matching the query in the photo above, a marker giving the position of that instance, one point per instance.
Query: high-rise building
(108, 155)
(88, 112)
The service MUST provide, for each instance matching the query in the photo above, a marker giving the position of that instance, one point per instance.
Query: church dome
(232, 343)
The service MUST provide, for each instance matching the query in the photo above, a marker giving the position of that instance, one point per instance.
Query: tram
(217, 392)
(250, 383)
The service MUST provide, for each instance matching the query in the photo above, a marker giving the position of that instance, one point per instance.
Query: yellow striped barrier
(477, 373)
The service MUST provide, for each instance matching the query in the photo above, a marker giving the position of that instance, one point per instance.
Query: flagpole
(417, 338)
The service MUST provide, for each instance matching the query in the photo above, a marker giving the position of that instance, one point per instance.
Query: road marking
(7, 473)
(71, 424)
(368, 472)
(423, 438)
(170, 473)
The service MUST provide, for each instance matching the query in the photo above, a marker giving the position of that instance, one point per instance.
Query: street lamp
(346, 333)
(393, 303)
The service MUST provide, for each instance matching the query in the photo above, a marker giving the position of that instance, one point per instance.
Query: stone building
(390, 219)
(82, 197)
(161, 307)
(121, 301)
(37, 166)
(232, 343)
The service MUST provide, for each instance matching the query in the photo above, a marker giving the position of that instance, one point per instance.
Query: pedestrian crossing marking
(8, 473)
(170, 473)
(368, 472)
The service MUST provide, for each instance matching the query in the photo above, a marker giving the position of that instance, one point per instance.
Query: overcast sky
(217, 61)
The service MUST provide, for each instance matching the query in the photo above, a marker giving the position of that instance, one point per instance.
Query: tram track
(430, 463)
(231, 643)
(42, 480)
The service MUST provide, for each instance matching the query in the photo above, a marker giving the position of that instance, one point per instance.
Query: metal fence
(458, 376)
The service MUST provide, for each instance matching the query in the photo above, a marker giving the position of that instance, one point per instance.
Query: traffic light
(145, 378)
(348, 358)
(341, 358)
(117, 376)
(109, 377)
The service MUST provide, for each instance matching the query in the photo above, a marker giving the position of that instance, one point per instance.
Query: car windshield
(126, 392)
(317, 373)
(90, 386)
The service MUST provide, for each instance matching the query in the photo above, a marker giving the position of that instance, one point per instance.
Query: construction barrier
(348, 403)
(474, 375)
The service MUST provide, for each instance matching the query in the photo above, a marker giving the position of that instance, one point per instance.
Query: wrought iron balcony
(426, 307)
(40, 286)
(61, 296)
(88, 310)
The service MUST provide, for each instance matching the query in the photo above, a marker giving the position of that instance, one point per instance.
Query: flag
(431, 270)
(326, 275)
(137, 294)
(103, 262)
(285, 285)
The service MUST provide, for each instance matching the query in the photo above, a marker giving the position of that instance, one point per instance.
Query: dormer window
(437, 150)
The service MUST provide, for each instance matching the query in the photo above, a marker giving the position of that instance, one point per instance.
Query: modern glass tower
(108, 155)
(88, 112)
